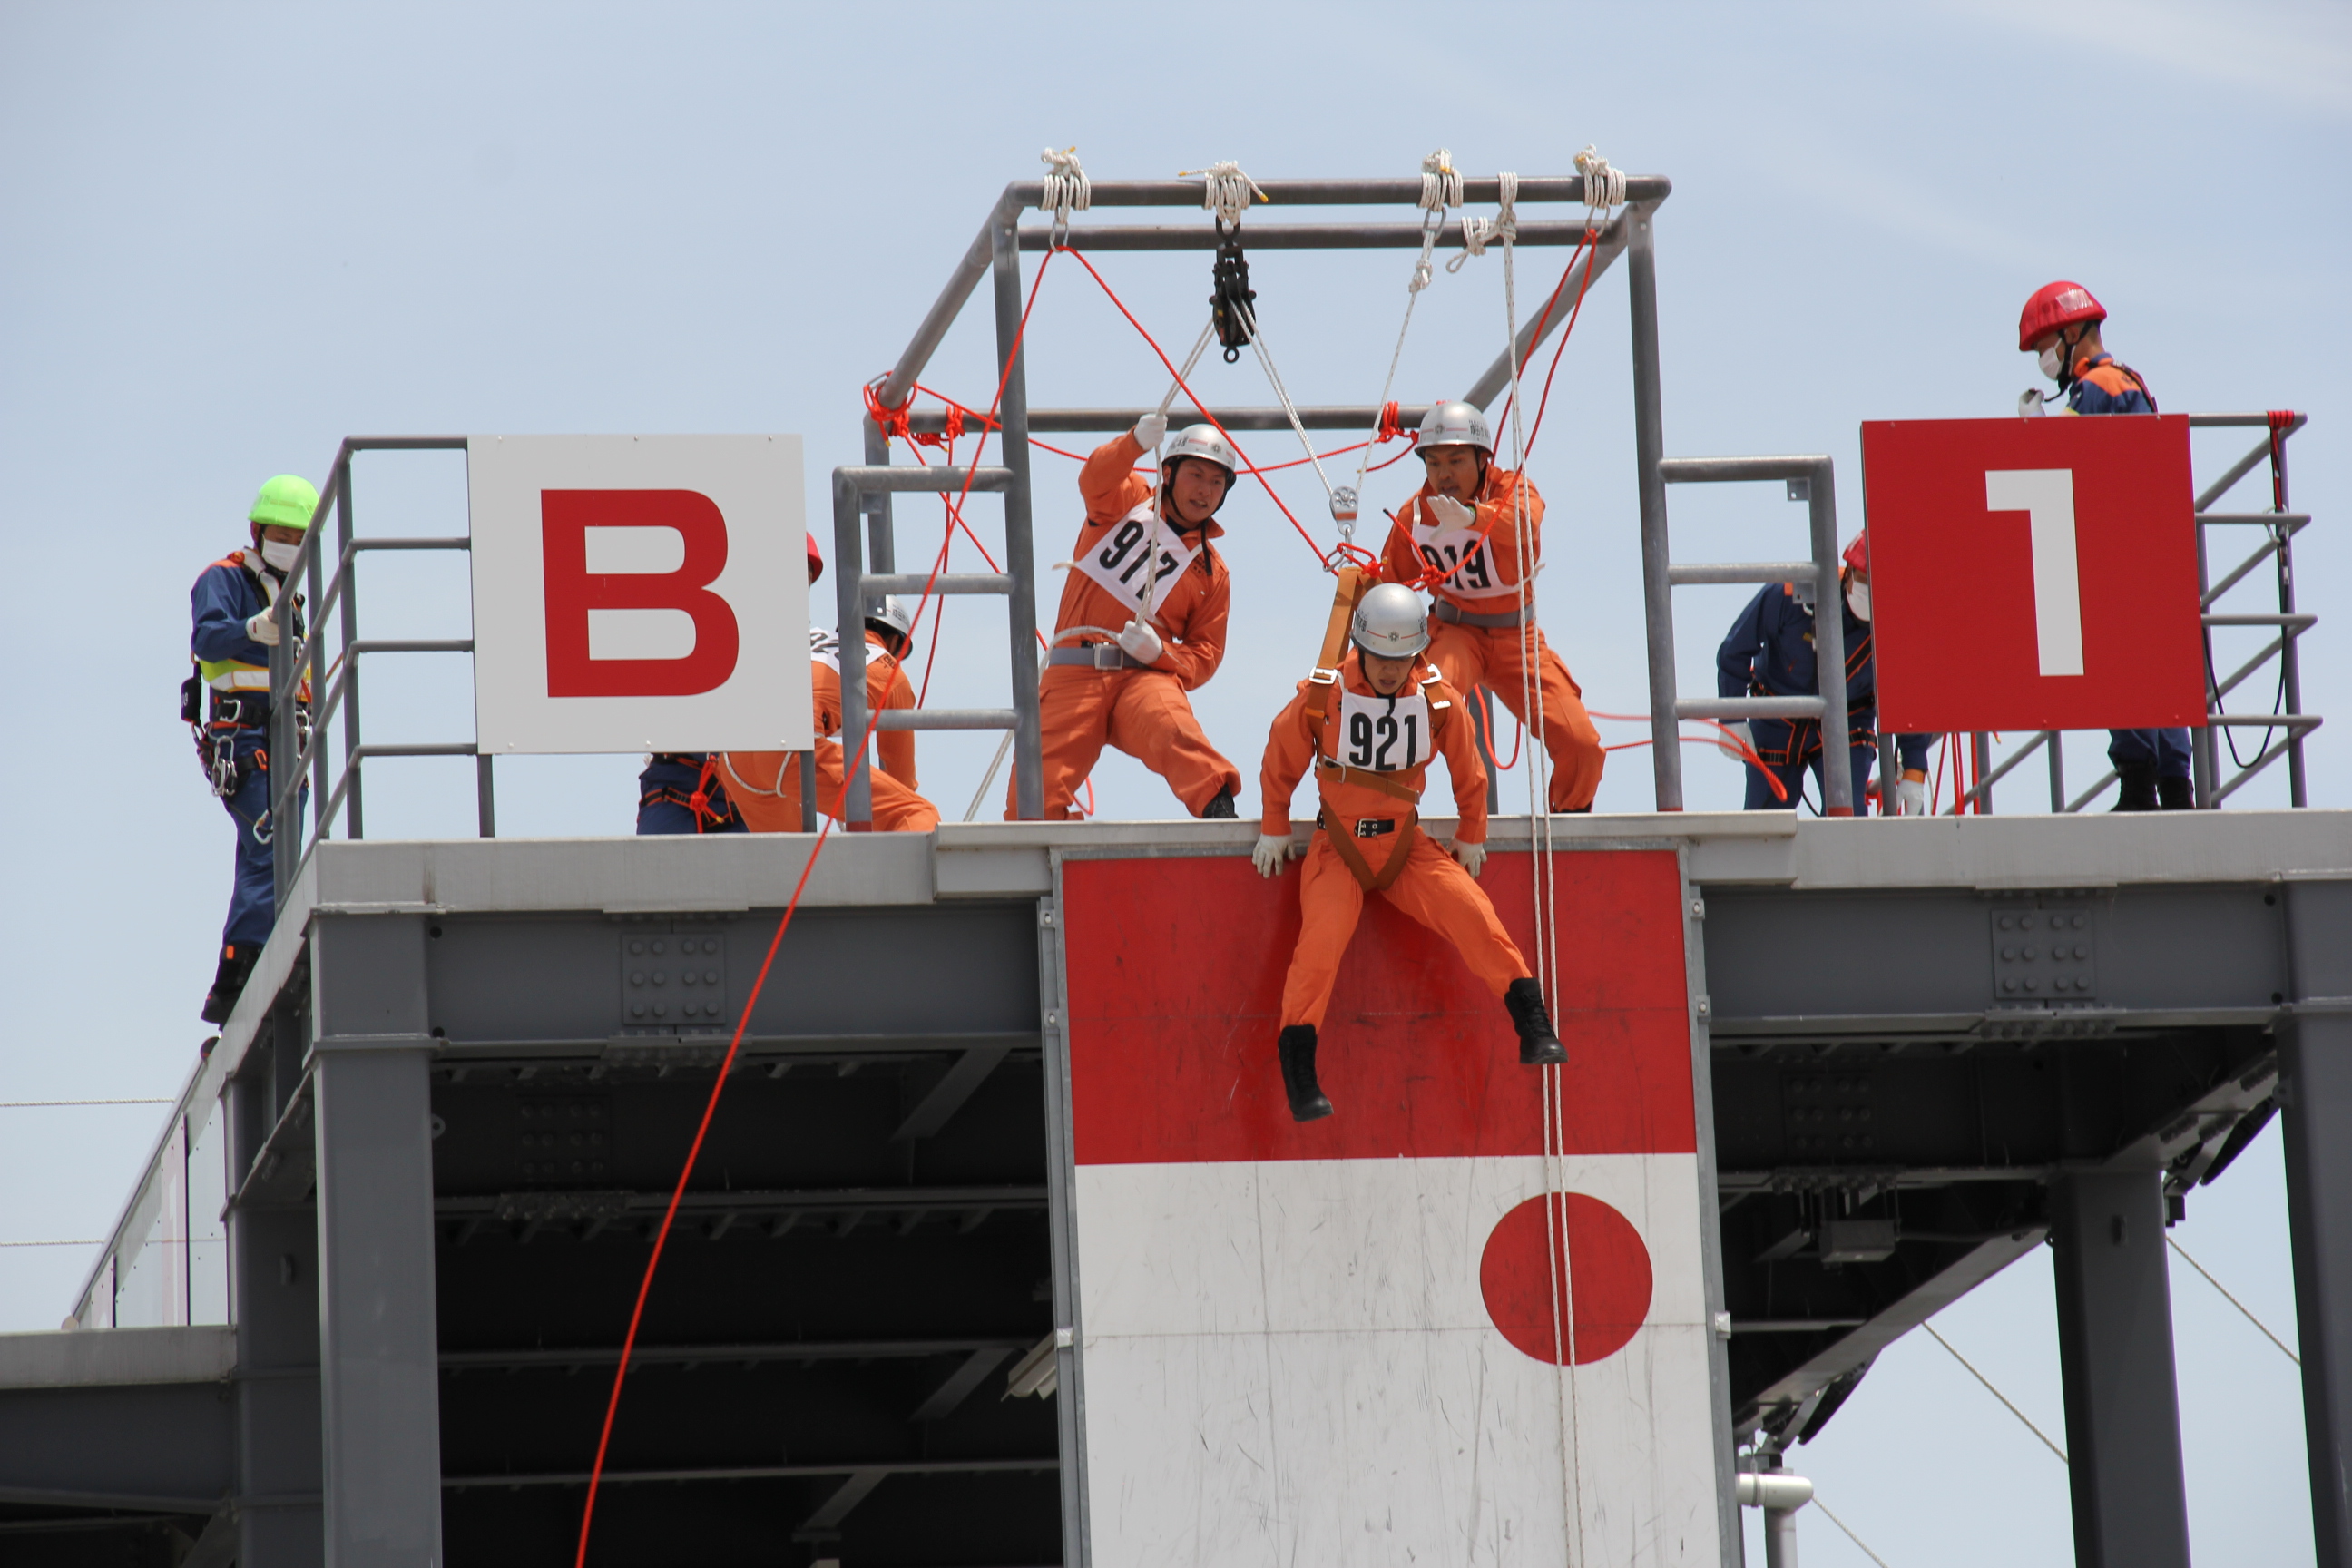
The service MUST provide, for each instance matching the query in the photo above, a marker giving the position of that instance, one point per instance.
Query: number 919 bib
(1384, 734)
(1457, 559)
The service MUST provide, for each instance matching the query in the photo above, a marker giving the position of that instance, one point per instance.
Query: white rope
(1342, 500)
(1546, 956)
(1441, 187)
(1228, 193)
(1604, 187)
(1441, 182)
(1067, 189)
(1478, 233)
(1144, 610)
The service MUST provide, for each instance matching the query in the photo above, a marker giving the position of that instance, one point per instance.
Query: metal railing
(2286, 721)
(1809, 479)
(165, 1262)
(293, 665)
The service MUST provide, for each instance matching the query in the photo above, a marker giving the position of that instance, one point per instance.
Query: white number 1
(2047, 497)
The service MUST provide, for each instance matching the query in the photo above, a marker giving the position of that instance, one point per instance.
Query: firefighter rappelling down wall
(1461, 1317)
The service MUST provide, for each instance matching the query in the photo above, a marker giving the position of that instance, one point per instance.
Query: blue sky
(237, 233)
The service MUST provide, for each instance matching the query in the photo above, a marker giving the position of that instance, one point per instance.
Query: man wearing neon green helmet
(237, 617)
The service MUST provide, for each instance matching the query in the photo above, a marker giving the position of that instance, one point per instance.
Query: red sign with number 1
(2033, 573)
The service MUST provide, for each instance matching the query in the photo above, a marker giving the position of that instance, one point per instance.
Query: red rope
(1747, 753)
(1349, 552)
(726, 1067)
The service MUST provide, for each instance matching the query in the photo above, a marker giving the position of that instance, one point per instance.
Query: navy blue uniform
(236, 671)
(666, 793)
(2103, 387)
(1769, 652)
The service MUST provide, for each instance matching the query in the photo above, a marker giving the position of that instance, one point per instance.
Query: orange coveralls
(766, 785)
(1430, 884)
(1481, 578)
(1140, 710)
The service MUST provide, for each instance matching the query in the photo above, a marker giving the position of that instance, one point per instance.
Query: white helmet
(892, 612)
(1456, 425)
(1200, 441)
(1391, 621)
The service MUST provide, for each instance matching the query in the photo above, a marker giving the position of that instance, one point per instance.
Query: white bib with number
(1117, 559)
(1457, 558)
(1384, 734)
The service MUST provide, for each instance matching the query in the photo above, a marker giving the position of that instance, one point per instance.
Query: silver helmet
(1391, 621)
(1456, 425)
(892, 612)
(1201, 441)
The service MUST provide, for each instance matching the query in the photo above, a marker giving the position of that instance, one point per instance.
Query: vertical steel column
(808, 789)
(2315, 1067)
(2114, 1347)
(1648, 449)
(1020, 555)
(1061, 1220)
(1981, 765)
(2290, 660)
(348, 620)
(881, 529)
(1890, 769)
(1829, 643)
(379, 1385)
(485, 803)
(849, 604)
(1728, 1536)
(285, 848)
(273, 1257)
(2055, 740)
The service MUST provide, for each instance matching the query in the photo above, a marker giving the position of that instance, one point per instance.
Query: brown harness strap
(1353, 857)
(1386, 784)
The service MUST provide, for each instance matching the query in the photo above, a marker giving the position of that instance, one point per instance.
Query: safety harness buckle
(1109, 656)
(1374, 827)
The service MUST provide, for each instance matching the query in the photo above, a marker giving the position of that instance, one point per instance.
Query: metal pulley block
(1343, 504)
(1232, 302)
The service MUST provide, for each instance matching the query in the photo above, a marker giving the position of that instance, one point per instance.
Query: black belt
(1097, 656)
(1445, 611)
(246, 710)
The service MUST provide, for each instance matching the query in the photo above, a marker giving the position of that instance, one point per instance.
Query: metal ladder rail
(856, 590)
(1812, 479)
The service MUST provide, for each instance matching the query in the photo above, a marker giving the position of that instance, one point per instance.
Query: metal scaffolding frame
(995, 253)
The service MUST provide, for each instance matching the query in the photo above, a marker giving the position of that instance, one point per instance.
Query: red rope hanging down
(1722, 732)
(735, 1043)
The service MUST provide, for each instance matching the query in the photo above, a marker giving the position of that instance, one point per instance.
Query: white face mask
(281, 557)
(1857, 594)
(2052, 362)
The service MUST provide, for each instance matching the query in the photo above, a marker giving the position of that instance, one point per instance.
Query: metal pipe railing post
(1649, 450)
(1483, 712)
(849, 601)
(2290, 660)
(1829, 643)
(1980, 761)
(2057, 772)
(808, 790)
(1020, 554)
(881, 530)
(1890, 769)
(350, 669)
(2205, 764)
(486, 801)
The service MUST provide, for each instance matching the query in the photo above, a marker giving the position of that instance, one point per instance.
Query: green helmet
(285, 501)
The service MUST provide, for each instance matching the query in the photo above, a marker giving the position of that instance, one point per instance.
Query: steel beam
(1020, 554)
(2115, 1349)
(379, 1401)
(1273, 236)
(1610, 246)
(1533, 190)
(273, 1284)
(1107, 421)
(2315, 1067)
(1649, 453)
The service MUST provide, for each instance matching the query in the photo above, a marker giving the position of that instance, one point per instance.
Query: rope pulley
(1232, 302)
(1067, 190)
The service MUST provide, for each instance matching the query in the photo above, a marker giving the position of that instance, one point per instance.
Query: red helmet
(1857, 553)
(2053, 306)
(816, 559)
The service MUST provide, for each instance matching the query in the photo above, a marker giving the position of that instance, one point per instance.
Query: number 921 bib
(1384, 734)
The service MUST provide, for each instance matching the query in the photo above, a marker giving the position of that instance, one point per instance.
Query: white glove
(1733, 738)
(1142, 642)
(1911, 796)
(1451, 513)
(263, 629)
(1273, 849)
(1471, 855)
(1150, 430)
(2028, 403)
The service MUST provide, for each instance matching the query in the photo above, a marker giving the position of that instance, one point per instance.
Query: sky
(236, 234)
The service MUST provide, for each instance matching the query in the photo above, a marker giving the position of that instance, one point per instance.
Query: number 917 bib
(1118, 558)
(1384, 734)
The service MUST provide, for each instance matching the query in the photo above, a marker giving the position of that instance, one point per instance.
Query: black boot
(1297, 1048)
(2139, 786)
(228, 983)
(1219, 808)
(1538, 1046)
(2176, 794)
